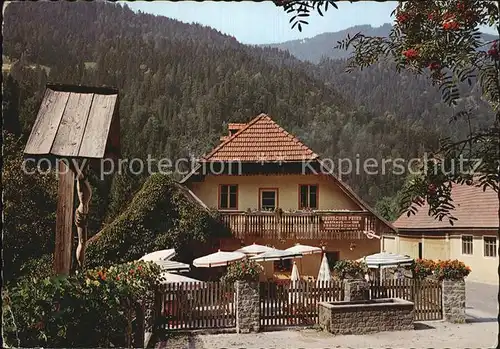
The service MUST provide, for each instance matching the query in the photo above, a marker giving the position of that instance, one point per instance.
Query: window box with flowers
(423, 268)
(441, 270)
(454, 270)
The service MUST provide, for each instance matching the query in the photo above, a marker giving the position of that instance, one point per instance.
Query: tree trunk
(497, 122)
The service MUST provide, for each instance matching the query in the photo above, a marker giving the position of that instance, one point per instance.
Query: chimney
(234, 127)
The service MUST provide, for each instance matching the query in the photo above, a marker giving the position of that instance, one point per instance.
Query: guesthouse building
(272, 189)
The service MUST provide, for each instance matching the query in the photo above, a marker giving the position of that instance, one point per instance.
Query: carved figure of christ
(84, 192)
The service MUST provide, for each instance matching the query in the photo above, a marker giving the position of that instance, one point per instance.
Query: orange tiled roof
(261, 140)
(473, 209)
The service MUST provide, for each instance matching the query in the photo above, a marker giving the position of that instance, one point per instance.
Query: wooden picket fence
(425, 294)
(287, 304)
(190, 305)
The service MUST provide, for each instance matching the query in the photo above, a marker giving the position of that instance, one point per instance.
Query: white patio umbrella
(178, 282)
(275, 255)
(386, 260)
(324, 274)
(173, 266)
(218, 259)
(295, 277)
(254, 249)
(168, 278)
(304, 249)
(161, 255)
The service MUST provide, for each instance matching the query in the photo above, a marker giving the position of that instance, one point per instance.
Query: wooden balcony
(321, 225)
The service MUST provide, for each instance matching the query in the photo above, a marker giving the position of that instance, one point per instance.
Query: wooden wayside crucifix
(76, 127)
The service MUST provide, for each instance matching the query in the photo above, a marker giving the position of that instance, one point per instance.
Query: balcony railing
(323, 225)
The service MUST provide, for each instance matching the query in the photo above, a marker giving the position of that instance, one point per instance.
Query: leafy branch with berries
(440, 39)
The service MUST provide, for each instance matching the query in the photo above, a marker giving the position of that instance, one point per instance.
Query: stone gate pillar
(247, 302)
(453, 300)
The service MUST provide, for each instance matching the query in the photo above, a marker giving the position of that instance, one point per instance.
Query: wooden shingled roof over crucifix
(75, 124)
(76, 121)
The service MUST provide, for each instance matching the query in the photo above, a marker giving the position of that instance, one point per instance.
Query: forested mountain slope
(181, 83)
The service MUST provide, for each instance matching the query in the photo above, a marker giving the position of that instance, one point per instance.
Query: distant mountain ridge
(322, 45)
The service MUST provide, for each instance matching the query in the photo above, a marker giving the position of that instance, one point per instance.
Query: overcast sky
(263, 23)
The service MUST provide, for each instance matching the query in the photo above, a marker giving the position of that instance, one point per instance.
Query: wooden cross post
(64, 219)
(75, 123)
(68, 171)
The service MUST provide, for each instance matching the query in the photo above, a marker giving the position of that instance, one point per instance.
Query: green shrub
(350, 269)
(83, 310)
(244, 270)
(38, 267)
(161, 215)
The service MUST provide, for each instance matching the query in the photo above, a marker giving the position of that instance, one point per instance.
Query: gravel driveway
(440, 335)
(436, 334)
